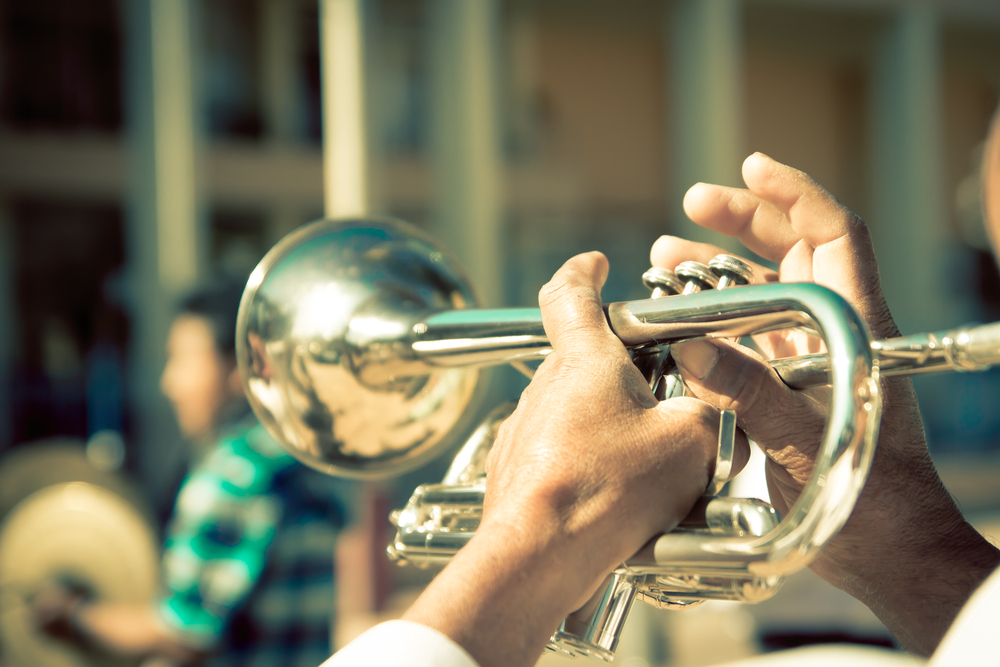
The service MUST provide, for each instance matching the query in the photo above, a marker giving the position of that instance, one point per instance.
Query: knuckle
(701, 417)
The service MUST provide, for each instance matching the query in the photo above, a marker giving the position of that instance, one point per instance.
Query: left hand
(588, 468)
(589, 443)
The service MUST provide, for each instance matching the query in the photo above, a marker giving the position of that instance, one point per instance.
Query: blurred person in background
(589, 446)
(248, 560)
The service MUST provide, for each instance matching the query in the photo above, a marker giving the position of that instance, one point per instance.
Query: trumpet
(360, 347)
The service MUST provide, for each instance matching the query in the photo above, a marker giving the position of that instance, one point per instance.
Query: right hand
(52, 609)
(904, 517)
(786, 217)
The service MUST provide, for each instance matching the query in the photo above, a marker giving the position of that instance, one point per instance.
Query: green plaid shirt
(248, 561)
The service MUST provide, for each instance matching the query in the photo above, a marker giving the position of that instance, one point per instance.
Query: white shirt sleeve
(971, 639)
(401, 644)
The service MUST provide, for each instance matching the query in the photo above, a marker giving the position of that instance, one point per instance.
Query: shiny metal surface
(663, 282)
(731, 270)
(593, 631)
(968, 348)
(697, 277)
(324, 346)
(469, 465)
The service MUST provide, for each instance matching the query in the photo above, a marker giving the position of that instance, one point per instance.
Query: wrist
(913, 561)
(503, 594)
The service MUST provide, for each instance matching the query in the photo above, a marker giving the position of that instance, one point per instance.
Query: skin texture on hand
(588, 468)
(906, 552)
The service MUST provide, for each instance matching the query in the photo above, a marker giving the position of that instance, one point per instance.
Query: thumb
(787, 424)
(571, 308)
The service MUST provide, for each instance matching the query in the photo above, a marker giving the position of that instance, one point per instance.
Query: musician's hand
(904, 516)
(786, 217)
(52, 610)
(588, 468)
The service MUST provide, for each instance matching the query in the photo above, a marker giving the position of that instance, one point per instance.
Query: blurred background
(147, 144)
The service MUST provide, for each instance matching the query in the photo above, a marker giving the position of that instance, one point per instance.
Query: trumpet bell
(323, 346)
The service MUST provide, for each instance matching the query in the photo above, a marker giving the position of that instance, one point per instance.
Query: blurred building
(147, 143)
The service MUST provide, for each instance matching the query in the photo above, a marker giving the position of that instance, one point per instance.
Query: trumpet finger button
(662, 282)
(696, 277)
(731, 271)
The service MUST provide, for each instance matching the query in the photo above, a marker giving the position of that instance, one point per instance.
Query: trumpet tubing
(967, 348)
(359, 345)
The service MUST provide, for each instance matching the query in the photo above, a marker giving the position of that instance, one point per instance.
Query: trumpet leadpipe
(493, 336)
(484, 337)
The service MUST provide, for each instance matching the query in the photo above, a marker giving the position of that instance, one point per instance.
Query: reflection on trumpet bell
(323, 345)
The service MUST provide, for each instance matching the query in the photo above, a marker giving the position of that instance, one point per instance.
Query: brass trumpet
(360, 347)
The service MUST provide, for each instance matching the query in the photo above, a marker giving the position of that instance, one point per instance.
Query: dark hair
(218, 302)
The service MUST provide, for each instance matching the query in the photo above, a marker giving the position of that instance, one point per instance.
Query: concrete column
(345, 140)
(465, 139)
(704, 51)
(520, 106)
(279, 92)
(908, 221)
(278, 39)
(8, 329)
(175, 162)
(165, 236)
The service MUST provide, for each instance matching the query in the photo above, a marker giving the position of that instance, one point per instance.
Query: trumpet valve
(732, 271)
(662, 282)
(696, 276)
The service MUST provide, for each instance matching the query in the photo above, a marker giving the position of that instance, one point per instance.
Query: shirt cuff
(395, 643)
(969, 640)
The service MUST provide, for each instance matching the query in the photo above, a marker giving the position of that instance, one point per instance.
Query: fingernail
(696, 357)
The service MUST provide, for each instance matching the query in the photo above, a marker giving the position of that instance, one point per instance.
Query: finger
(786, 423)
(781, 208)
(736, 212)
(572, 313)
(787, 217)
(691, 428)
(669, 251)
(710, 415)
(814, 214)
